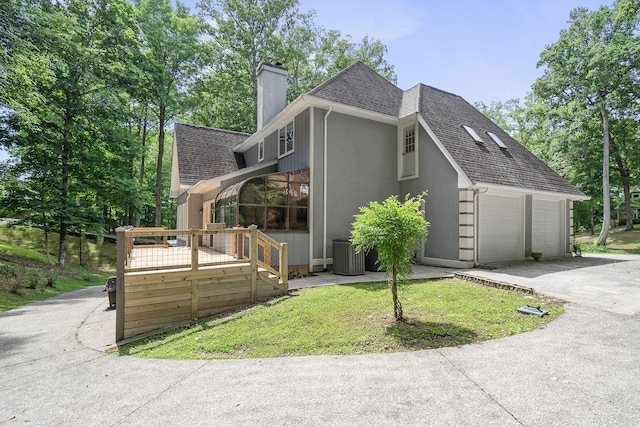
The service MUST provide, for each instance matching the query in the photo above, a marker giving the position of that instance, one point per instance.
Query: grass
(353, 319)
(619, 241)
(26, 276)
(28, 242)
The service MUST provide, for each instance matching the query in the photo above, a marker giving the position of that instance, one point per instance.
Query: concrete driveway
(603, 282)
(581, 370)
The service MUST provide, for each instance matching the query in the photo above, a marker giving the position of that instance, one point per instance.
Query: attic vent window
(497, 140)
(472, 133)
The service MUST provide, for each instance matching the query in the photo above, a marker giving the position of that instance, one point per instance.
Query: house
(357, 138)
(620, 210)
(635, 202)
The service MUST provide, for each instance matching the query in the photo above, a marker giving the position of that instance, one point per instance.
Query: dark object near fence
(110, 288)
(527, 309)
(371, 262)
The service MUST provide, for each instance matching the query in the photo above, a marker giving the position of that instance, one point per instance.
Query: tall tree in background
(247, 32)
(54, 91)
(243, 34)
(594, 66)
(171, 60)
(514, 117)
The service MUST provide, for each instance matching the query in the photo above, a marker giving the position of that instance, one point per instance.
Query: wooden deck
(145, 258)
(160, 286)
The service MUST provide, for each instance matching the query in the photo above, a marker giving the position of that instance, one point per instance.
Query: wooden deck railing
(240, 250)
(156, 282)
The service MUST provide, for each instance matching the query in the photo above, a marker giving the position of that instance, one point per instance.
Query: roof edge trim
(520, 190)
(202, 187)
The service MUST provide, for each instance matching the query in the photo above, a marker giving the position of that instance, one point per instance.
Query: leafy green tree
(247, 32)
(395, 229)
(516, 118)
(624, 137)
(243, 34)
(56, 91)
(171, 60)
(332, 53)
(594, 67)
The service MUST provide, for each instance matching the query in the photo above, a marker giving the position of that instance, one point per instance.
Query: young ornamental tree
(395, 229)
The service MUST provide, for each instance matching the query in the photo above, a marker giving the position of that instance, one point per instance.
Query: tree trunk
(626, 185)
(45, 228)
(141, 177)
(105, 228)
(606, 192)
(80, 246)
(158, 192)
(397, 307)
(64, 190)
(592, 218)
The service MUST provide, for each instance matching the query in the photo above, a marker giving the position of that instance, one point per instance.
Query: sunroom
(275, 202)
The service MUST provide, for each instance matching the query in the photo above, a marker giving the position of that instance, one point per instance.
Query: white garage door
(500, 228)
(547, 227)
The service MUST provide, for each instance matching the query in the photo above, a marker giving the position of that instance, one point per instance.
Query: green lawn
(353, 319)
(618, 241)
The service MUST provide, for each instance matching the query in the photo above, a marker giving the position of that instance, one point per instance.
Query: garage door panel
(501, 231)
(547, 227)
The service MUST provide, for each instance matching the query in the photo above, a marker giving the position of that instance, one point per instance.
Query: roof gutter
(298, 105)
(503, 188)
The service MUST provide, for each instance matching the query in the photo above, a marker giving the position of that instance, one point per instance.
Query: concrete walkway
(581, 370)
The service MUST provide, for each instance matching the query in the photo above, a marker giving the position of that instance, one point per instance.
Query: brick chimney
(272, 91)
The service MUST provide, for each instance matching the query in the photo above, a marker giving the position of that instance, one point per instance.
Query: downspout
(324, 190)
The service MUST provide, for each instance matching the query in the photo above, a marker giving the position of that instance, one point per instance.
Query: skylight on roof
(472, 133)
(497, 140)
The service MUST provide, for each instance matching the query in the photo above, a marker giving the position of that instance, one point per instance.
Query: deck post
(238, 243)
(121, 260)
(195, 246)
(284, 264)
(253, 260)
(165, 239)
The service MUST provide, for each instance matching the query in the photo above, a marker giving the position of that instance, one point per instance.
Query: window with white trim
(260, 151)
(407, 152)
(285, 140)
(410, 140)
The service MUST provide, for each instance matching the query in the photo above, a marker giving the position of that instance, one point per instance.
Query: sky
(482, 50)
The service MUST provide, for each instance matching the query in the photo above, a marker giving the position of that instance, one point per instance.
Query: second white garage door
(547, 227)
(500, 228)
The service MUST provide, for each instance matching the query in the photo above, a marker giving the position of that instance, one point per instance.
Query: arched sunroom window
(272, 202)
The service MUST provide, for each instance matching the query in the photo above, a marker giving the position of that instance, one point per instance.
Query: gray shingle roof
(205, 153)
(514, 166)
(360, 86)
